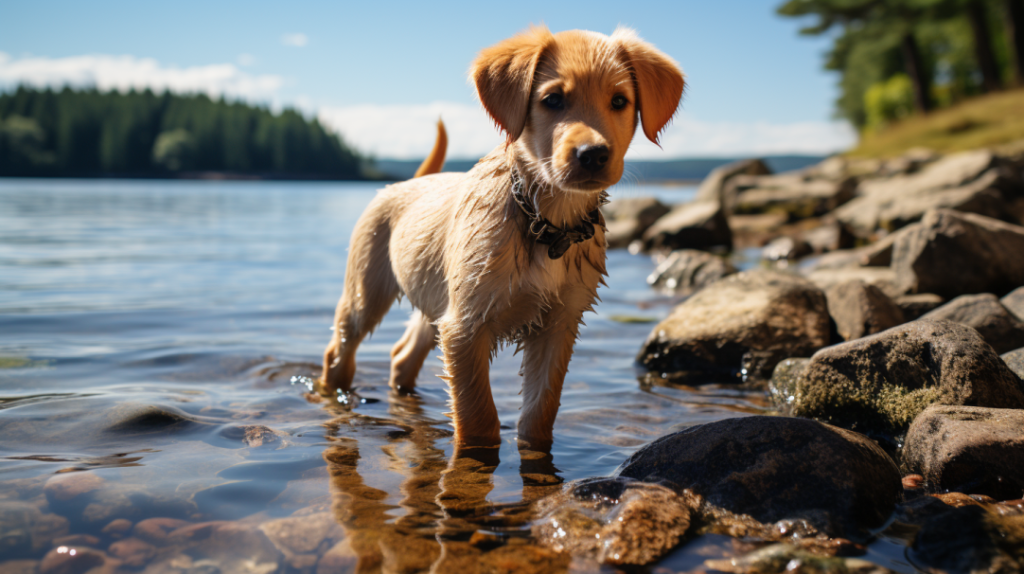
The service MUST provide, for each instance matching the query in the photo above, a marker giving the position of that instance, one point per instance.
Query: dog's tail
(435, 161)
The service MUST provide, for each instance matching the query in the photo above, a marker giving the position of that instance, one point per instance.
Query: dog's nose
(592, 157)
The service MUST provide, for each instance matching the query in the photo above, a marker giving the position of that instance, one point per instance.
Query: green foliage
(86, 132)
(885, 102)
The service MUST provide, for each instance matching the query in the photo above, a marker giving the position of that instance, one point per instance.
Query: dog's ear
(503, 76)
(659, 81)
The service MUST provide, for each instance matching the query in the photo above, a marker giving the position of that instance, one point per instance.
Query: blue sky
(380, 72)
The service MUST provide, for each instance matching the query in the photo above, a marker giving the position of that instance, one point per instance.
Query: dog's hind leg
(411, 350)
(370, 289)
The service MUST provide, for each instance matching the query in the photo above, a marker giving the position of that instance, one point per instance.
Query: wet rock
(793, 193)
(132, 551)
(715, 189)
(970, 539)
(881, 277)
(1000, 328)
(916, 305)
(697, 225)
(339, 558)
(775, 468)
(782, 385)
(614, 521)
(628, 218)
(117, 529)
(156, 530)
(76, 560)
(133, 501)
(25, 530)
(749, 321)
(969, 449)
(860, 309)
(779, 558)
(76, 540)
(970, 182)
(786, 249)
(137, 418)
(879, 383)
(1015, 302)
(19, 567)
(688, 270)
(954, 254)
(235, 546)
(302, 538)
(68, 486)
(1015, 360)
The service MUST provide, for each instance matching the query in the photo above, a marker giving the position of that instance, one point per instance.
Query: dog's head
(570, 101)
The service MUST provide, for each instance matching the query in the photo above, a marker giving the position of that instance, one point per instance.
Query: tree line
(897, 57)
(86, 133)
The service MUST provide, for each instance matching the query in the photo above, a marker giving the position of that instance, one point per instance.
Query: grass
(985, 121)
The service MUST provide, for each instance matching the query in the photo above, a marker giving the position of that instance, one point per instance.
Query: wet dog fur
(455, 243)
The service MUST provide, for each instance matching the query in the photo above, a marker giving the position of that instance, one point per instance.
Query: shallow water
(156, 338)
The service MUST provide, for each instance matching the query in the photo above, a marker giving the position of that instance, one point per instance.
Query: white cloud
(407, 132)
(126, 72)
(296, 40)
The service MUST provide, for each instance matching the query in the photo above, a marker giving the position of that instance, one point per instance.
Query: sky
(381, 73)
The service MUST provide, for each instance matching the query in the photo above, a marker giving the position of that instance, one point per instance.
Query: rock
(67, 486)
(117, 529)
(747, 323)
(954, 254)
(132, 551)
(829, 236)
(860, 309)
(775, 468)
(794, 194)
(697, 225)
(786, 249)
(76, 560)
(19, 566)
(1015, 302)
(131, 418)
(782, 385)
(156, 530)
(76, 540)
(614, 521)
(229, 543)
(881, 277)
(879, 253)
(789, 559)
(970, 539)
(1015, 360)
(878, 384)
(303, 538)
(970, 182)
(1000, 328)
(713, 188)
(755, 230)
(25, 530)
(688, 270)
(916, 305)
(968, 449)
(339, 558)
(628, 218)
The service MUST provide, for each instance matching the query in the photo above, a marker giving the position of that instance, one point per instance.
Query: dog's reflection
(441, 519)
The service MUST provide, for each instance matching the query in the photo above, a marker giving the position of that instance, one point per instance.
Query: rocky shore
(885, 321)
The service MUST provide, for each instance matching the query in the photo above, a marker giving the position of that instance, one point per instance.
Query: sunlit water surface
(156, 334)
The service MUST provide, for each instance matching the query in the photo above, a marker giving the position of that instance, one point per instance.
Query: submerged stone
(777, 468)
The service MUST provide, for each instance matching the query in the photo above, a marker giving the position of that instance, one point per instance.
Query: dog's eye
(619, 102)
(554, 101)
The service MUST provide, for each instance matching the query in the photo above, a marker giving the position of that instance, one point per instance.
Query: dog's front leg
(546, 354)
(467, 360)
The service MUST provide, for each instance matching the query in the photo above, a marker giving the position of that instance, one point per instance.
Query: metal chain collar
(544, 232)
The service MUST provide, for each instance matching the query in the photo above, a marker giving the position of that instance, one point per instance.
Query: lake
(156, 343)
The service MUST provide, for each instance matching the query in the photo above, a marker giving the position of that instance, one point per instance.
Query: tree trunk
(1015, 36)
(915, 69)
(983, 47)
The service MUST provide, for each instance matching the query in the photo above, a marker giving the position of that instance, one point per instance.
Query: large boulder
(628, 218)
(687, 270)
(968, 449)
(696, 225)
(746, 323)
(714, 187)
(1014, 302)
(860, 309)
(794, 194)
(953, 254)
(882, 277)
(878, 384)
(1000, 328)
(974, 182)
(1015, 360)
(775, 468)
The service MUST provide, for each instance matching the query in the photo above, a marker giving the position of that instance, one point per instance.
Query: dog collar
(558, 239)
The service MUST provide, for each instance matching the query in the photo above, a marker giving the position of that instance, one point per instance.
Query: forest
(897, 58)
(87, 133)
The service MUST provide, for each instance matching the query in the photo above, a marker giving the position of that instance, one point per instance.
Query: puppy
(513, 250)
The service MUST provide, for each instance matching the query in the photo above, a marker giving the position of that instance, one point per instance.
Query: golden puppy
(514, 249)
